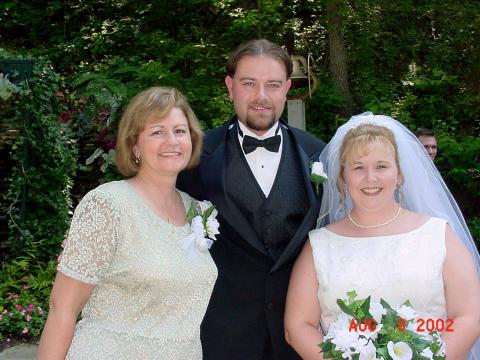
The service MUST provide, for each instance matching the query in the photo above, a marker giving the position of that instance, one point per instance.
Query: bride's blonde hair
(359, 141)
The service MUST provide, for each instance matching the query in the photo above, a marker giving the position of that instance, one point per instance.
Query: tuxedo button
(267, 213)
(269, 306)
(268, 230)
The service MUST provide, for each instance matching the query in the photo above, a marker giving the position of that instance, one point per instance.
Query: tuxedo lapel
(213, 176)
(297, 241)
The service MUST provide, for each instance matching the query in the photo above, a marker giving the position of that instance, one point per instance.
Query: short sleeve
(90, 244)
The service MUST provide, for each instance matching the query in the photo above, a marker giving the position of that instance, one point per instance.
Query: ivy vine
(44, 158)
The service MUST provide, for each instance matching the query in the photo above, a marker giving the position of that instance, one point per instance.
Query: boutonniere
(317, 175)
(202, 219)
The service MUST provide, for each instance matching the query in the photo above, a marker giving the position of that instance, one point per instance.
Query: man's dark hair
(424, 132)
(260, 47)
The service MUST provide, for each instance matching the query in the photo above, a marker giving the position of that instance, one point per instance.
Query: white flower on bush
(399, 350)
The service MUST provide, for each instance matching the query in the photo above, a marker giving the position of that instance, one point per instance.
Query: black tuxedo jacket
(244, 319)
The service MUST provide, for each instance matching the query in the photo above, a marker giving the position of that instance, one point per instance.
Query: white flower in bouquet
(399, 350)
(340, 335)
(368, 351)
(427, 352)
(366, 330)
(377, 311)
(406, 312)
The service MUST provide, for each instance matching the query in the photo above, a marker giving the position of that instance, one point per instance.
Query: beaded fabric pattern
(149, 298)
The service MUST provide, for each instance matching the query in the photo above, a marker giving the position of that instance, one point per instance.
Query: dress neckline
(363, 238)
(150, 210)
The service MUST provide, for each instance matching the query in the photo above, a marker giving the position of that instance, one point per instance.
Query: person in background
(428, 140)
(123, 265)
(256, 171)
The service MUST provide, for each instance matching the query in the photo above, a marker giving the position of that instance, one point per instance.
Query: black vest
(277, 217)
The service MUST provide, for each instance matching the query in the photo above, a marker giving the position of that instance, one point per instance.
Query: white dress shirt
(263, 163)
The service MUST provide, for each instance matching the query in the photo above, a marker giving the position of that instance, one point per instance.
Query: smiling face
(259, 90)
(371, 175)
(164, 145)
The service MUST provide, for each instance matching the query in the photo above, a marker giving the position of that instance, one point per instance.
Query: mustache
(260, 103)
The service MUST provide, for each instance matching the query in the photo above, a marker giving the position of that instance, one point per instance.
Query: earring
(345, 188)
(398, 194)
(137, 159)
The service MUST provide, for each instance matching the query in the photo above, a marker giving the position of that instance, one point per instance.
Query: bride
(394, 232)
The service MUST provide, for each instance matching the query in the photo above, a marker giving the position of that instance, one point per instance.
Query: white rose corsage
(202, 219)
(318, 175)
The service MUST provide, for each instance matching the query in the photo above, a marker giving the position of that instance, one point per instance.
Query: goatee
(261, 123)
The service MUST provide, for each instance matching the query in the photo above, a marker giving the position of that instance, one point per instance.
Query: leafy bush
(24, 297)
(458, 161)
(44, 163)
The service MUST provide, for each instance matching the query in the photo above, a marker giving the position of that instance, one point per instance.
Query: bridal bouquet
(202, 219)
(368, 330)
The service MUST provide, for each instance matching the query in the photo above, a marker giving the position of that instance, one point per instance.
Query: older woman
(123, 266)
(395, 233)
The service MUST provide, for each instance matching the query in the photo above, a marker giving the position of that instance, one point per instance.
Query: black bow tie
(250, 144)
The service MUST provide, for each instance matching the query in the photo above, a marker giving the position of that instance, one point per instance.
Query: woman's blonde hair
(359, 141)
(156, 100)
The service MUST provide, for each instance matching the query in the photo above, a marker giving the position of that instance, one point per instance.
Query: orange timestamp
(423, 325)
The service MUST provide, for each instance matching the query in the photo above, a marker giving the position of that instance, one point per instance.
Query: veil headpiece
(423, 190)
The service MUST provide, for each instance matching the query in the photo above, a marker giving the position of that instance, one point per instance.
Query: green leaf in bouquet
(351, 296)
(419, 343)
(391, 319)
(327, 346)
(364, 309)
(383, 352)
(345, 308)
(386, 305)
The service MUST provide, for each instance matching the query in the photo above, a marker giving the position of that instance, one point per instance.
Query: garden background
(414, 60)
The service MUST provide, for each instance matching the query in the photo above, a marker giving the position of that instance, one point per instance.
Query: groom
(255, 170)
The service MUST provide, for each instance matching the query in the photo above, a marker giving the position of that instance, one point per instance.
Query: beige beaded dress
(149, 298)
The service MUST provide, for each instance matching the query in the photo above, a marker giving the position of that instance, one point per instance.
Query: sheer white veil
(423, 191)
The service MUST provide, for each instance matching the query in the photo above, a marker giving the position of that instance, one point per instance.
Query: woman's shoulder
(111, 192)
(186, 199)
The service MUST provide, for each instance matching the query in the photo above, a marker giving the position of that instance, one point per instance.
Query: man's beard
(261, 123)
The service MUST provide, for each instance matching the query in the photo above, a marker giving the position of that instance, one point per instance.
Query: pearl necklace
(375, 226)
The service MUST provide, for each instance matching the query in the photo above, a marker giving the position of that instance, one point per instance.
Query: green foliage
(458, 160)
(416, 61)
(44, 164)
(24, 297)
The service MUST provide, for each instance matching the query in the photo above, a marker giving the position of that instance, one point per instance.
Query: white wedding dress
(396, 268)
(149, 297)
